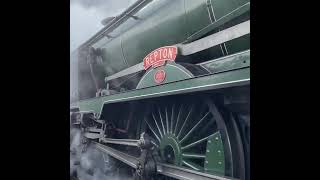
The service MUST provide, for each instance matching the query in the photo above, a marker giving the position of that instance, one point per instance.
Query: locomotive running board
(196, 46)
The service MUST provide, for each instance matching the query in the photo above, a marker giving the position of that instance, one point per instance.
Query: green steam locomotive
(163, 89)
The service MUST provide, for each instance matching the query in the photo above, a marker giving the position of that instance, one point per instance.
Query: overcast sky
(86, 16)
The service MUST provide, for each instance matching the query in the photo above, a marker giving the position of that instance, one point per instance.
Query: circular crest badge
(159, 76)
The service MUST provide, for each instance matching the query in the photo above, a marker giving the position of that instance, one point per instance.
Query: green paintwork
(197, 15)
(223, 7)
(229, 17)
(239, 44)
(232, 62)
(236, 61)
(174, 72)
(162, 23)
(112, 56)
(93, 104)
(215, 160)
(189, 85)
(166, 26)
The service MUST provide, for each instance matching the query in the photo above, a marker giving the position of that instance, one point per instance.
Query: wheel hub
(169, 154)
(170, 149)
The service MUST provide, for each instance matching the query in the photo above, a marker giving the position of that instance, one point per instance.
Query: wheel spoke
(157, 125)
(178, 118)
(153, 131)
(167, 119)
(184, 123)
(183, 140)
(164, 131)
(191, 165)
(209, 125)
(172, 112)
(194, 127)
(197, 142)
(196, 156)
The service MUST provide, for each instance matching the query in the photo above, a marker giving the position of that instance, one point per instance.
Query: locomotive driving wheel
(198, 136)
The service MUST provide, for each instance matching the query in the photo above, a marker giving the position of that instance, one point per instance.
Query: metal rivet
(207, 162)
(217, 138)
(209, 141)
(219, 151)
(219, 162)
(208, 150)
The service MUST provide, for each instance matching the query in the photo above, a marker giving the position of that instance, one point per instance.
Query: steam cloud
(88, 165)
(85, 21)
(86, 17)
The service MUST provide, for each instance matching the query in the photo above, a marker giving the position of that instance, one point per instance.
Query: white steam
(89, 165)
(86, 17)
(85, 21)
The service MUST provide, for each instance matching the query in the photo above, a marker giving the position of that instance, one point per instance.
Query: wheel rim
(194, 136)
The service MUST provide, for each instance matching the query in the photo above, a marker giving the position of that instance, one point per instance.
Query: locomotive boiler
(163, 90)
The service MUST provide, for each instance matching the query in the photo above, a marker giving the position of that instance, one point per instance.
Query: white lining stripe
(222, 49)
(214, 16)
(234, 10)
(224, 44)
(209, 13)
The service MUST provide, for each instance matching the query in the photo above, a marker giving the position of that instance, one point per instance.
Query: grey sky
(86, 16)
